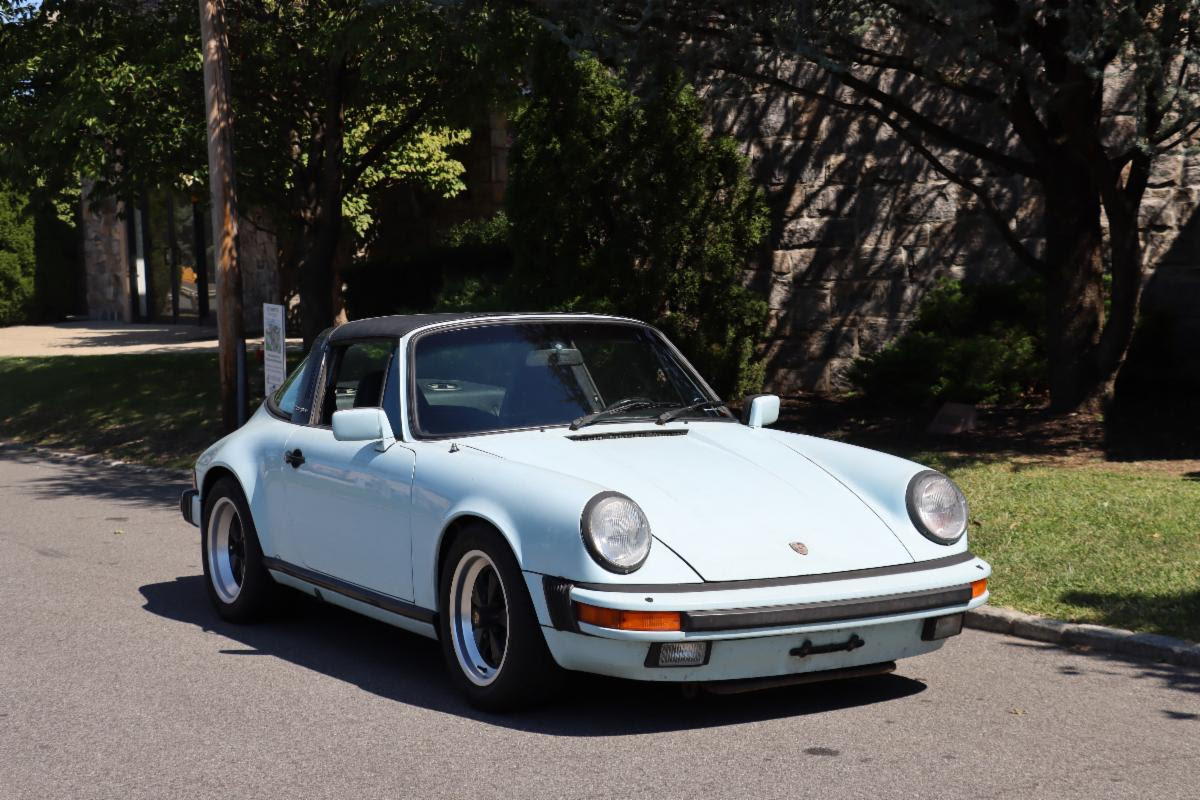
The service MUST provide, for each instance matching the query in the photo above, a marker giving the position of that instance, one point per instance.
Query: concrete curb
(1150, 646)
(69, 457)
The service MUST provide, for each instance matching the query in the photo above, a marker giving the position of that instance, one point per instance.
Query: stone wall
(258, 258)
(106, 255)
(106, 261)
(862, 227)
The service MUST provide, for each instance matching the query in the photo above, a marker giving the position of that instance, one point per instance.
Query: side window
(286, 395)
(359, 371)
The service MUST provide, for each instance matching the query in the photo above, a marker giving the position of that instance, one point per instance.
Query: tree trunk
(223, 193)
(316, 271)
(1074, 286)
(1126, 257)
(323, 216)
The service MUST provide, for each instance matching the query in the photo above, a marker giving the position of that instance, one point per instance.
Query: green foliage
(58, 277)
(110, 90)
(460, 270)
(16, 258)
(969, 344)
(626, 206)
(336, 102)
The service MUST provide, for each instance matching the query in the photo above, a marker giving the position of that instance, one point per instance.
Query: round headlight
(937, 507)
(615, 532)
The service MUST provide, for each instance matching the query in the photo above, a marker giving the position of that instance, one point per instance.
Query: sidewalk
(92, 338)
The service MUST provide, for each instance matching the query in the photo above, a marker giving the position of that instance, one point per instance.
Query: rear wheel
(490, 636)
(238, 584)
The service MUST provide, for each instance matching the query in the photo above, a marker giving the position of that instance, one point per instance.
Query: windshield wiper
(628, 404)
(674, 413)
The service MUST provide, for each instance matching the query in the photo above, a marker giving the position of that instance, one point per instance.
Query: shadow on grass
(407, 668)
(1176, 613)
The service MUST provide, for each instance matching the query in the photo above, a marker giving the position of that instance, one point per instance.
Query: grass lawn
(1113, 544)
(1083, 540)
(159, 409)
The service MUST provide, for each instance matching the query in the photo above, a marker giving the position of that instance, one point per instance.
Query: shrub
(458, 270)
(58, 276)
(17, 263)
(969, 344)
(627, 206)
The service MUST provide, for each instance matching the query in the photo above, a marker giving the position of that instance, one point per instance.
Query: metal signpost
(274, 348)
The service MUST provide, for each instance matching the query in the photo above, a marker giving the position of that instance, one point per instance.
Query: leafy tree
(16, 258)
(334, 101)
(1075, 97)
(624, 206)
(108, 90)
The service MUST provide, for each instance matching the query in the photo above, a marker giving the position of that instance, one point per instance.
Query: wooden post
(223, 191)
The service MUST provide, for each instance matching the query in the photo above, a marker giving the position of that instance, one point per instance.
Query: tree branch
(893, 105)
(998, 217)
(384, 144)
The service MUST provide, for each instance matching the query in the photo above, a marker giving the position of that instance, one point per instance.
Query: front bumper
(758, 631)
(189, 506)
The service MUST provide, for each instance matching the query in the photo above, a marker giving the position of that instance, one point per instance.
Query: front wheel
(238, 584)
(490, 636)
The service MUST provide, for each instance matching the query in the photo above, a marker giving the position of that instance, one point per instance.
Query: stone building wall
(106, 261)
(258, 258)
(862, 227)
(107, 250)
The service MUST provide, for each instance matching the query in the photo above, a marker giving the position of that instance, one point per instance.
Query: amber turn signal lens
(627, 620)
(978, 588)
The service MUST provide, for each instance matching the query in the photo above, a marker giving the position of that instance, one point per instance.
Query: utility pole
(223, 192)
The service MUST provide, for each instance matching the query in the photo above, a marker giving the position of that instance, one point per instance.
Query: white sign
(274, 347)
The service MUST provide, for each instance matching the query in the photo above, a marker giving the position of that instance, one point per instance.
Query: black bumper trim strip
(185, 506)
(798, 580)
(558, 603)
(372, 598)
(833, 611)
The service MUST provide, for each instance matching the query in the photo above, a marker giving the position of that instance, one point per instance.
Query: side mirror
(362, 425)
(758, 410)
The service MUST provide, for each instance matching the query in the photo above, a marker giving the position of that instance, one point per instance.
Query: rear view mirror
(555, 357)
(361, 425)
(760, 409)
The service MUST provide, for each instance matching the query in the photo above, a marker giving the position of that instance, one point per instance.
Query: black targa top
(404, 324)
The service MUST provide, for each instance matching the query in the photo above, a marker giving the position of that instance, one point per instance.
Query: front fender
(880, 480)
(537, 511)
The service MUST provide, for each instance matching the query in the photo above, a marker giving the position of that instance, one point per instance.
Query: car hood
(727, 499)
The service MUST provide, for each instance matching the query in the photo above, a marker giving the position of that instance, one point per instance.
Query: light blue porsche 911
(552, 492)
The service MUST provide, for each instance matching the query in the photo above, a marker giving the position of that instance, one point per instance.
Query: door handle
(294, 457)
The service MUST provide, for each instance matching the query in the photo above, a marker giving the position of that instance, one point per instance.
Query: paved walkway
(92, 338)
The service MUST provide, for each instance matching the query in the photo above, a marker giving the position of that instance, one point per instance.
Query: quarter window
(288, 393)
(360, 370)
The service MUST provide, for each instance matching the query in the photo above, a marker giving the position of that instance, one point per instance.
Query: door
(348, 502)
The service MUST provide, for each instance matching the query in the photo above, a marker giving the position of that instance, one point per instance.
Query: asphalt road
(116, 680)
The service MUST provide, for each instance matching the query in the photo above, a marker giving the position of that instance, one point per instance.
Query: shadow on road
(123, 484)
(1180, 679)
(407, 668)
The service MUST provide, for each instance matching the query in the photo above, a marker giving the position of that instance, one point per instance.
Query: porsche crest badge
(800, 547)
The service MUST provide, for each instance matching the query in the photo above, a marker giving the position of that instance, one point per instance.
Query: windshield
(530, 374)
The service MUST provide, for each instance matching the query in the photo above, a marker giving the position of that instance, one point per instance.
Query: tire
(238, 584)
(497, 670)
